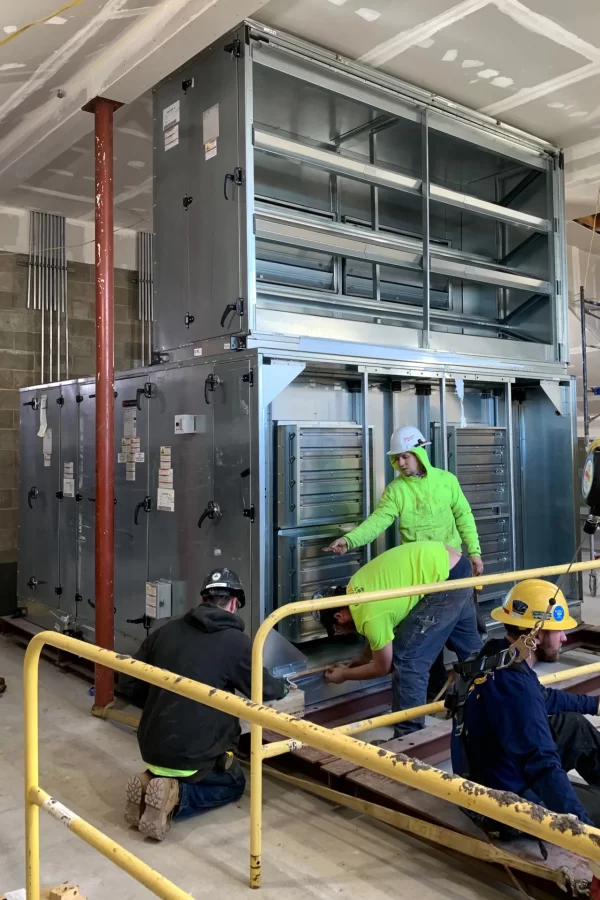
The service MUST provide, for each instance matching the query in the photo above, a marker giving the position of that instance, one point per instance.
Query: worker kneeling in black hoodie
(187, 747)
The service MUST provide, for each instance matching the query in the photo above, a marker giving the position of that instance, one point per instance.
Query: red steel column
(103, 110)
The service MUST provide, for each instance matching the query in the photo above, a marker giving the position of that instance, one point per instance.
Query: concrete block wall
(20, 347)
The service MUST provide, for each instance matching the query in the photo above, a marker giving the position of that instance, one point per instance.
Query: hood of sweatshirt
(210, 618)
(421, 454)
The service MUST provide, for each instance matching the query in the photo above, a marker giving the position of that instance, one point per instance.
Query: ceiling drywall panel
(567, 115)
(342, 26)
(480, 71)
(579, 16)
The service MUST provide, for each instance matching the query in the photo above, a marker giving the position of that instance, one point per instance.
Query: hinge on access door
(248, 377)
(234, 48)
(248, 513)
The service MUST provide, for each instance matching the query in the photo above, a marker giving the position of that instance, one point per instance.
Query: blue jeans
(217, 789)
(419, 639)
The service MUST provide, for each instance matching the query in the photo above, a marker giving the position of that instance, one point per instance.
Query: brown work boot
(162, 798)
(135, 793)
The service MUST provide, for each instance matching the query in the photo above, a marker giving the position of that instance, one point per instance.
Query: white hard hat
(405, 439)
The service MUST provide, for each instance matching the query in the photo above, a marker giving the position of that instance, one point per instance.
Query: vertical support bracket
(366, 455)
(443, 423)
(511, 473)
(426, 230)
(103, 110)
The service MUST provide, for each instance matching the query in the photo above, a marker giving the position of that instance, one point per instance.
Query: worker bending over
(187, 747)
(428, 503)
(405, 634)
(519, 736)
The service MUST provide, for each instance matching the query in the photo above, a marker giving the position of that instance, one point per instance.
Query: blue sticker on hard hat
(558, 613)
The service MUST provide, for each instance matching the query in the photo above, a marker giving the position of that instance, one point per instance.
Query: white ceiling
(533, 64)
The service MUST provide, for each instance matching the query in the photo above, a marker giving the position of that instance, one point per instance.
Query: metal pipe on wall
(103, 110)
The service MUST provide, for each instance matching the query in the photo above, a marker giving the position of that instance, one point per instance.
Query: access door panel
(233, 531)
(70, 501)
(216, 185)
(181, 483)
(39, 507)
(133, 406)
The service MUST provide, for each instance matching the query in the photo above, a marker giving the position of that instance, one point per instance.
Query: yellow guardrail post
(258, 753)
(32, 774)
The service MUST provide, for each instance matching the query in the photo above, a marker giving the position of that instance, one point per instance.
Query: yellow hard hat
(527, 602)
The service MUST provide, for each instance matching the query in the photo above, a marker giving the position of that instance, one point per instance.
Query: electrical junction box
(165, 599)
(185, 424)
(158, 599)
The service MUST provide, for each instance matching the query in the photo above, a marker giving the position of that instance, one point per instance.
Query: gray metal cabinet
(180, 551)
(232, 533)
(216, 182)
(70, 500)
(39, 508)
(133, 407)
(171, 172)
(86, 538)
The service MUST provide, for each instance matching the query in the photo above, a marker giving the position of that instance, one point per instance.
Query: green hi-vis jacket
(432, 508)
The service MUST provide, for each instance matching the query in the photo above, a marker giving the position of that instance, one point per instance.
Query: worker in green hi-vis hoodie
(429, 505)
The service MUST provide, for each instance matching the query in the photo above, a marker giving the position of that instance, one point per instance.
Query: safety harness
(492, 658)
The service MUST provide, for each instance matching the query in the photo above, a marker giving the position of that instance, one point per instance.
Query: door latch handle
(146, 505)
(235, 177)
(211, 382)
(93, 605)
(34, 404)
(212, 511)
(145, 391)
(237, 307)
(32, 494)
(33, 583)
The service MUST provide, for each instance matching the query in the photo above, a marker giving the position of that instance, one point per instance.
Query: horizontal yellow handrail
(276, 748)
(566, 831)
(258, 752)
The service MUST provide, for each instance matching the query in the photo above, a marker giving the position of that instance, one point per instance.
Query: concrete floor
(311, 849)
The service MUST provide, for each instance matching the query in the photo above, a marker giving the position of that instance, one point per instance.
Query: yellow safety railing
(430, 780)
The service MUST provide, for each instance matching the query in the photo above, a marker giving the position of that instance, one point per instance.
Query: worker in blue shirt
(519, 736)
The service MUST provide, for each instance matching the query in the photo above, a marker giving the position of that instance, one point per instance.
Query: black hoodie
(209, 645)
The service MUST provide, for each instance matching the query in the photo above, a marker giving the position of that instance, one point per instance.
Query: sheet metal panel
(214, 255)
(86, 538)
(179, 551)
(69, 505)
(235, 531)
(131, 490)
(39, 508)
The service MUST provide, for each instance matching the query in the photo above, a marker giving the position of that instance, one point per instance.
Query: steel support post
(103, 110)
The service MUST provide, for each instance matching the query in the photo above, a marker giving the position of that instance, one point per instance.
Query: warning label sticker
(171, 115)
(171, 137)
(165, 499)
(210, 149)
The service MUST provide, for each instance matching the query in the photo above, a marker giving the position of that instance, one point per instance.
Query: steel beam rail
(382, 177)
(399, 773)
